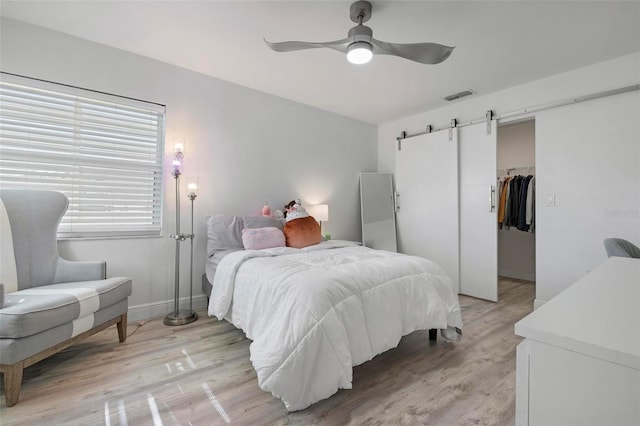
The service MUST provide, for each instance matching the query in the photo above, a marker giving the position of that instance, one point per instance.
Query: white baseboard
(520, 275)
(537, 303)
(160, 309)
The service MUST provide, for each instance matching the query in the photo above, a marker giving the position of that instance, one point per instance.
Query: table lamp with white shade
(319, 212)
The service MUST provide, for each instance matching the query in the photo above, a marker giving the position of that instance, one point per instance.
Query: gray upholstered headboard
(224, 235)
(224, 232)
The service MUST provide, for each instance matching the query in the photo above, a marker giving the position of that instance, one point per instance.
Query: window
(103, 152)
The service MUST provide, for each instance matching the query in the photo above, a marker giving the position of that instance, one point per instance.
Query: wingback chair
(50, 303)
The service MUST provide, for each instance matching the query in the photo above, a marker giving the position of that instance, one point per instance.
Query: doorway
(516, 229)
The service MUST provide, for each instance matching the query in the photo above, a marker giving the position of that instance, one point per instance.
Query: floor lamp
(181, 317)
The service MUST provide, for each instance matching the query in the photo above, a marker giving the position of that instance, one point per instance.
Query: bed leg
(433, 334)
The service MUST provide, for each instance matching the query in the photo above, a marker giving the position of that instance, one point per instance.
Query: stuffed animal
(278, 214)
(266, 210)
(294, 210)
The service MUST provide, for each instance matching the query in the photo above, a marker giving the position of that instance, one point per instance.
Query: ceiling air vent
(459, 95)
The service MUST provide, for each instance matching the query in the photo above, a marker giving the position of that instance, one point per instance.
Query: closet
(516, 235)
(447, 185)
(448, 199)
(446, 182)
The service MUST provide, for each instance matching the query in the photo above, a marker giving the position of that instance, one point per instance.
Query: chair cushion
(34, 310)
(14, 350)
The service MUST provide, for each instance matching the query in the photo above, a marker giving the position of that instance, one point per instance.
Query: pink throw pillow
(262, 238)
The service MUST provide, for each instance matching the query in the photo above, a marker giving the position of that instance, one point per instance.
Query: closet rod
(529, 110)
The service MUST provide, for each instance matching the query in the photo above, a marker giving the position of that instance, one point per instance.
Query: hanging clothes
(517, 203)
(531, 201)
(513, 202)
(503, 185)
(522, 211)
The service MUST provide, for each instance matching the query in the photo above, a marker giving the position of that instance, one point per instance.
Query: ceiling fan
(360, 45)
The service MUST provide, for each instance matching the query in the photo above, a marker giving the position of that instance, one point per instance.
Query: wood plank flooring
(200, 374)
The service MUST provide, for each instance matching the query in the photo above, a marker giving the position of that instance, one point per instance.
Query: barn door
(427, 200)
(478, 217)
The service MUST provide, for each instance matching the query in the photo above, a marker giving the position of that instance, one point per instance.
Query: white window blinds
(103, 152)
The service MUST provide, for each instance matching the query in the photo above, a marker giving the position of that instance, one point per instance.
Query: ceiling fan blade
(290, 46)
(425, 53)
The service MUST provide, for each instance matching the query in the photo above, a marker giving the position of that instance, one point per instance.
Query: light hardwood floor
(200, 374)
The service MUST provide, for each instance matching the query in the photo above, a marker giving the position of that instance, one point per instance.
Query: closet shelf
(520, 170)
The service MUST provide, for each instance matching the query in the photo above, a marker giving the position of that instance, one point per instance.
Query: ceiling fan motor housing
(360, 33)
(360, 49)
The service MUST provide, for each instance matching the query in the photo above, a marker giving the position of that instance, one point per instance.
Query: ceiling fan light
(359, 53)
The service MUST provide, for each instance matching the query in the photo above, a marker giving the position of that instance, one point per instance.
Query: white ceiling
(499, 44)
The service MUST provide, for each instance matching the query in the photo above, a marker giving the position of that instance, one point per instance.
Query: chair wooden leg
(12, 382)
(122, 327)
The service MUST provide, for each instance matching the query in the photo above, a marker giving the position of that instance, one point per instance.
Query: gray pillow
(224, 233)
(261, 222)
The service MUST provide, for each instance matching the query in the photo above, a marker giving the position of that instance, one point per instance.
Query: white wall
(588, 158)
(244, 146)
(516, 144)
(516, 249)
(559, 247)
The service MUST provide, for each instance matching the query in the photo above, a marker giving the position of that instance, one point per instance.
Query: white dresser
(580, 361)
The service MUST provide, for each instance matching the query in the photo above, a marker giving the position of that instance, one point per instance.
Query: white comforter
(315, 313)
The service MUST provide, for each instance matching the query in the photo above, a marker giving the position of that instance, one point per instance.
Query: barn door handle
(492, 198)
(396, 206)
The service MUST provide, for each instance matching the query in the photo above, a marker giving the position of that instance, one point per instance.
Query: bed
(314, 313)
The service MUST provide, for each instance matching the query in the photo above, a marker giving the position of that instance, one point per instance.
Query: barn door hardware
(489, 118)
(454, 123)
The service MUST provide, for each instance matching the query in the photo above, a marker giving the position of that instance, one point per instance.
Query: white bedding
(314, 313)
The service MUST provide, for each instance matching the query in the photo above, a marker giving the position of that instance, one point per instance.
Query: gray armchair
(50, 303)
(621, 248)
